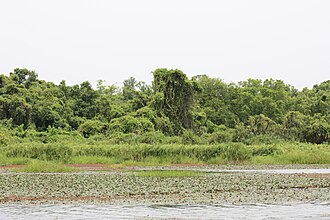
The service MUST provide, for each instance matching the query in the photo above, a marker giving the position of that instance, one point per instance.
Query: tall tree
(174, 95)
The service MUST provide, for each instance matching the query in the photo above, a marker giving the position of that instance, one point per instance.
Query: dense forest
(174, 108)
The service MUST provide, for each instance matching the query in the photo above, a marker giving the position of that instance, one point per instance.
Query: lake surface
(280, 171)
(251, 211)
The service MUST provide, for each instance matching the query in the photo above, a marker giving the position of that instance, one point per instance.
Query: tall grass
(54, 151)
(296, 154)
(4, 160)
(169, 153)
(162, 161)
(92, 151)
(176, 153)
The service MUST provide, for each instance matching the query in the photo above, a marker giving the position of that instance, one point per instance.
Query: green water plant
(37, 166)
(168, 173)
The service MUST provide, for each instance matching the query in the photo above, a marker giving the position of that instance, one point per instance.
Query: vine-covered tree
(174, 95)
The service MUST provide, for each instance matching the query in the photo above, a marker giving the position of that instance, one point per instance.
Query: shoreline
(183, 166)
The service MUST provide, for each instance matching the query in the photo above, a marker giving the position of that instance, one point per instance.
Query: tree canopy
(172, 105)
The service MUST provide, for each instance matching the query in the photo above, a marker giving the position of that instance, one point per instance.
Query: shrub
(222, 134)
(317, 133)
(164, 125)
(92, 127)
(188, 137)
(5, 137)
(152, 138)
(129, 124)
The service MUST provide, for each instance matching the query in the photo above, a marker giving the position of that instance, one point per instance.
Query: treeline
(173, 108)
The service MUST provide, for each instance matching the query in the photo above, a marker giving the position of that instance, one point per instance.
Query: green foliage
(83, 103)
(41, 151)
(17, 109)
(222, 134)
(203, 119)
(294, 157)
(264, 139)
(6, 137)
(260, 124)
(93, 160)
(152, 138)
(163, 123)
(236, 152)
(174, 97)
(318, 132)
(294, 125)
(24, 77)
(46, 167)
(214, 99)
(106, 152)
(92, 127)
(129, 124)
(265, 150)
(75, 121)
(129, 88)
(188, 137)
(4, 160)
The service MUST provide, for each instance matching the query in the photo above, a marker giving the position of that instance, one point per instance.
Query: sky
(112, 40)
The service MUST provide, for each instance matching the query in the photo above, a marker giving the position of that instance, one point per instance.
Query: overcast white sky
(78, 40)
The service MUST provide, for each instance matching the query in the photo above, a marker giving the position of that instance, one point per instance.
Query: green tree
(17, 109)
(174, 97)
(214, 99)
(24, 76)
(84, 97)
(318, 132)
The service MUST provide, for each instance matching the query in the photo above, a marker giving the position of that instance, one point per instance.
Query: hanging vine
(174, 94)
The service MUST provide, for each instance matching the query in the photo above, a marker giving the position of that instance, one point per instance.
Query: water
(249, 211)
(273, 171)
(280, 171)
(252, 211)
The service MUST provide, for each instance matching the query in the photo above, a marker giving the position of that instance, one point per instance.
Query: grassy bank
(165, 154)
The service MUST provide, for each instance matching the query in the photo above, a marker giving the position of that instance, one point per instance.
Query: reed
(93, 151)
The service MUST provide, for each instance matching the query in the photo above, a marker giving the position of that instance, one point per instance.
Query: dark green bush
(92, 127)
(222, 134)
(317, 133)
(188, 137)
